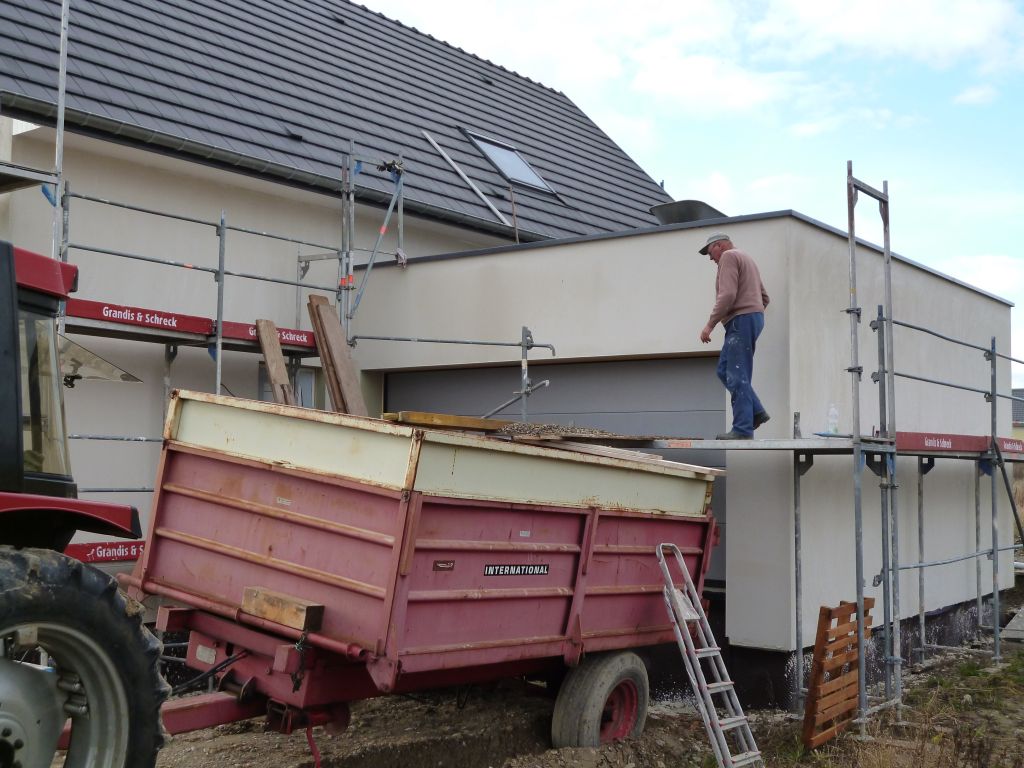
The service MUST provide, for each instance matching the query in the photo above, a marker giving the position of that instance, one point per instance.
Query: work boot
(761, 418)
(732, 434)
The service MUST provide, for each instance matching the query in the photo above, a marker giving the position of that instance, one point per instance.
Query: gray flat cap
(713, 239)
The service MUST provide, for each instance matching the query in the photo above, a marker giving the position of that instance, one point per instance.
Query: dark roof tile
(247, 75)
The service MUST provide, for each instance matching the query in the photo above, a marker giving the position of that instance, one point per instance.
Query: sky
(756, 105)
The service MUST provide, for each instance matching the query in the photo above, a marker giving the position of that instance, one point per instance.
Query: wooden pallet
(832, 690)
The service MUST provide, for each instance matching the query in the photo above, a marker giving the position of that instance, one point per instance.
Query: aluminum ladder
(723, 717)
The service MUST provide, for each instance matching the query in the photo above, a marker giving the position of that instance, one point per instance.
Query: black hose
(190, 684)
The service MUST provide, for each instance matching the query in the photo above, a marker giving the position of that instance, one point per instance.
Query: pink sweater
(738, 287)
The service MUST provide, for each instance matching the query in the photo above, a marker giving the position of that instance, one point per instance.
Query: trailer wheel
(71, 648)
(603, 699)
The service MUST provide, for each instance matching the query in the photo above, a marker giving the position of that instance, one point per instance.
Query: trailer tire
(604, 699)
(77, 615)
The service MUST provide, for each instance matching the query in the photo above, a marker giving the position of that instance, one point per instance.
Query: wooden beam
(283, 609)
(333, 385)
(624, 453)
(277, 371)
(424, 419)
(336, 346)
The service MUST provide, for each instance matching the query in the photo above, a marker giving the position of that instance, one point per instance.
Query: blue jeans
(736, 368)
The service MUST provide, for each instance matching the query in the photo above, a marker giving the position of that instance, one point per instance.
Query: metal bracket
(853, 311)
(925, 464)
(874, 463)
(804, 461)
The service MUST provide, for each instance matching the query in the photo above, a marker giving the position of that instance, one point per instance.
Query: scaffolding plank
(333, 385)
(333, 344)
(277, 371)
(341, 359)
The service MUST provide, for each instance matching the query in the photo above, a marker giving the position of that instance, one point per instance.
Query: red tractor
(72, 648)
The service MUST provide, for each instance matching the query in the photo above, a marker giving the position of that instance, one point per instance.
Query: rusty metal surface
(426, 582)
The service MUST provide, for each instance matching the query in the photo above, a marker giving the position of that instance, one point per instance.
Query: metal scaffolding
(878, 453)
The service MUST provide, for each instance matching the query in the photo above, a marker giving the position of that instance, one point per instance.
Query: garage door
(678, 397)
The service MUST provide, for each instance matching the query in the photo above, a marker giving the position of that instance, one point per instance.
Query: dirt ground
(961, 713)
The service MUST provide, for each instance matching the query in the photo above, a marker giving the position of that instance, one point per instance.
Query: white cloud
(707, 85)
(978, 94)
(935, 32)
(876, 119)
(716, 189)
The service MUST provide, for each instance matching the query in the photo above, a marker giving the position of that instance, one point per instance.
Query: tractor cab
(38, 504)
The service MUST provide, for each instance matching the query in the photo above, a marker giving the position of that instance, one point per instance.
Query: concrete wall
(643, 296)
(649, 294)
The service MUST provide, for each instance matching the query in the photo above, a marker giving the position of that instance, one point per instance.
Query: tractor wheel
(603, 699)
(71, 648)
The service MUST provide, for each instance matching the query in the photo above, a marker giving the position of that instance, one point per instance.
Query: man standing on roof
(740, 302)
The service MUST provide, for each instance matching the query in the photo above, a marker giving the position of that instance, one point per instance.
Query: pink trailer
(317, 559)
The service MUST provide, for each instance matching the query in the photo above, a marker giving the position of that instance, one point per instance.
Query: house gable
(283, 90)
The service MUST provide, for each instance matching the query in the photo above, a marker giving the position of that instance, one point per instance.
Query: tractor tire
(604, 699)
(70, 646)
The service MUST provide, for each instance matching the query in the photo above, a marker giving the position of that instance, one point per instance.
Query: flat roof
(723, 221)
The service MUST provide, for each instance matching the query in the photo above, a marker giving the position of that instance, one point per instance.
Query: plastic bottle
(833, 419)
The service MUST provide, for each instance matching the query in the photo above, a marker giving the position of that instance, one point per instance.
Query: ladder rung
(713, 650)
(746, 758)
(725, 685)
(728, 723)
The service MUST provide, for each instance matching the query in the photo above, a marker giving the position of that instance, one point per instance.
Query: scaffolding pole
(58, 163)
(853, 310)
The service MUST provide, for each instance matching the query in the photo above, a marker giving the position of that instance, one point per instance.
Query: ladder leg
(685, 609)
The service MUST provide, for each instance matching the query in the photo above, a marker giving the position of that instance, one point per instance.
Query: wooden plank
(829, 734)
(277, 371)
(345, 369)
(846, 693)
(836, 710)
(847, 609)
(625, 453)
(840, 682)
(283, 609)
(850, 630)
(446, 420)
(817, 675)
(839, 661)
(333, 385)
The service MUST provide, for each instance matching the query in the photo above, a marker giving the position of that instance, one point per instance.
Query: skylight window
(510, 163)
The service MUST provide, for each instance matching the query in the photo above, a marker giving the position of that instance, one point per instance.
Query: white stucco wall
(819, 353)
(645, 295)
(143, 179)
(649, 294)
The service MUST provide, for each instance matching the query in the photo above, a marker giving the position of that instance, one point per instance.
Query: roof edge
(127, 134)
(780, 214)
